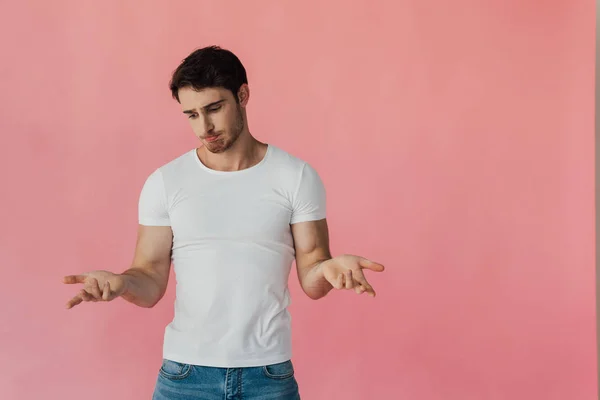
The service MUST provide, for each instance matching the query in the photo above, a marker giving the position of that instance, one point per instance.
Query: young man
(231, 215)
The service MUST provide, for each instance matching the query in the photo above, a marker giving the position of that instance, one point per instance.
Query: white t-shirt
(232, 254)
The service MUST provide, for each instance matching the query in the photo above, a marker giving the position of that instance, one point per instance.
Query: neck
(244, 153)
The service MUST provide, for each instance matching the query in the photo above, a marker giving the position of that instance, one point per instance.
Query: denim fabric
(178, 381)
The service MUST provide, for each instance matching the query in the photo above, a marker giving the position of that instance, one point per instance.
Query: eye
(192, 116)
(215, 108)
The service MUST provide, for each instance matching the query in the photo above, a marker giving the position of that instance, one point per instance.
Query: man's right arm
(146, 280)
(144, 284)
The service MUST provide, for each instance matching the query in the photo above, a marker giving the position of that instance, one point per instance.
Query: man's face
(216, 118)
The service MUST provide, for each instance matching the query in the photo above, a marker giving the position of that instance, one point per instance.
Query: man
(231, 216)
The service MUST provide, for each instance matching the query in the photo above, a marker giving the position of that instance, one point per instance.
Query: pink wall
(455, 140)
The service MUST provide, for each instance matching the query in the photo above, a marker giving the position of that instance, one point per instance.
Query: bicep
(155, 236)
(309, 223)
(153, 252)
(311, 242)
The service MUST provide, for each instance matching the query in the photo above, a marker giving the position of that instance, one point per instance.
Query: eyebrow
(205, 107)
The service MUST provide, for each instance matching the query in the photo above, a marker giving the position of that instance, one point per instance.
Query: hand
(97, 286)
(345, 272)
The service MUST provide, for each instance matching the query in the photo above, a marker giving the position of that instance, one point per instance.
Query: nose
(207, 126)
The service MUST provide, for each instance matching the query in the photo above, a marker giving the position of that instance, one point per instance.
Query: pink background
(456, 141)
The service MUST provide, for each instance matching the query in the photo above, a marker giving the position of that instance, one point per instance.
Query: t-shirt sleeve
(309, 203)
(152, 207)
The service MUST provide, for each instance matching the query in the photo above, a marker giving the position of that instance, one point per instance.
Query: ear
(244, 94)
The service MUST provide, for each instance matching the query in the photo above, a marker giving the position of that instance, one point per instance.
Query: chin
(216, 151)
(217, 147)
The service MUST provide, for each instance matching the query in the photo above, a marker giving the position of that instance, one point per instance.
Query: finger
(106, 292)
(73, 302)
(369, 290)
(348, 278)
(359, 277)
(339, 282)
(85, 295)
(70, 279)
(94, 289)
(373, 266)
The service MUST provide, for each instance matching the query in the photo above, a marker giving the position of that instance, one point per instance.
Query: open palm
(97, 286)
(346, 272)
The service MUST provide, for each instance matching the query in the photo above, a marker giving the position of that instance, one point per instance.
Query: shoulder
(298, 175)
(177, 167)
(182, 161)
(287, 162)
(170, 172)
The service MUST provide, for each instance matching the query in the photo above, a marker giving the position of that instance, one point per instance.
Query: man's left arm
(318, 272)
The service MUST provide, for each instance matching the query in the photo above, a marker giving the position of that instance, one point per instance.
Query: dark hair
(209, 67)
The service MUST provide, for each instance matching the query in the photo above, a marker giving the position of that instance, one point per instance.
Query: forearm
(141, 288)
(314, 283)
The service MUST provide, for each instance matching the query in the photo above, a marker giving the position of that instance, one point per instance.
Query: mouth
(210, 139)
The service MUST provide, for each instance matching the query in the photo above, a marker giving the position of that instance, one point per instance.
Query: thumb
(106, 293)
(70, 279)
(371, 265)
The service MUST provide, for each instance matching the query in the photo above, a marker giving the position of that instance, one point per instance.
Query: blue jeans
(177, 381)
